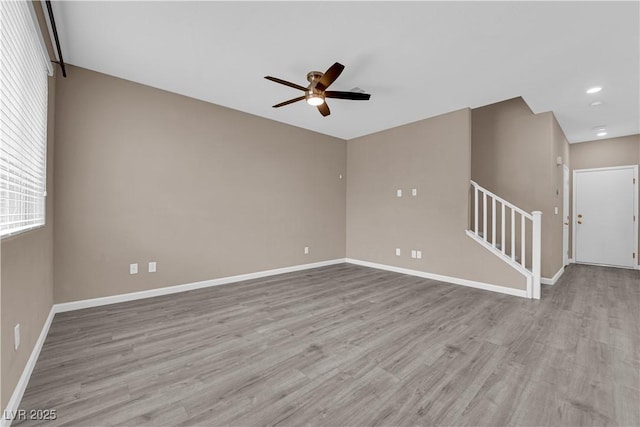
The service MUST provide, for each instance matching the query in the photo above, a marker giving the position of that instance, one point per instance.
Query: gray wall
(206, 192)
(434, 157)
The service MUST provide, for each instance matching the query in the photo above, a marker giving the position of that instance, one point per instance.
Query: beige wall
(559, 148)
(432, 156)
(206, 192)
(514, 156)
(603, 153)
(26, 287)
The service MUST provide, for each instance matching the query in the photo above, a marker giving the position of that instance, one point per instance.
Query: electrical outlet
(397, 251)
(133, 268)
(306, 250)
(16, 336)
(419, 254)
(413, 254)
(398, 193)
(152, 267)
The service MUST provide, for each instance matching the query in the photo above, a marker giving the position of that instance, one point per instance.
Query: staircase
(510, 233)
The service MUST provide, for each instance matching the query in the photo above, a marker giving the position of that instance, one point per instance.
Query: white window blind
(24, 66)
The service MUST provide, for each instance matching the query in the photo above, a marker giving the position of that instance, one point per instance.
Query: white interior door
(565, 215)
(604, 222)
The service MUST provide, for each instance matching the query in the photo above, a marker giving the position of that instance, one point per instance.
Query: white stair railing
(496, 222)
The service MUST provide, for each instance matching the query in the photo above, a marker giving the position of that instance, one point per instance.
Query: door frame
(566, 259)
(574, 220)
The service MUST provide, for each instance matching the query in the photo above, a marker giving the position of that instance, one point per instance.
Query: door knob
(579, 222)
(579, 215)
(566, 223)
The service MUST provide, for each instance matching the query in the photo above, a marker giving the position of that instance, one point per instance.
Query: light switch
(398, 193)
(397, 251)
(152, 267)
(419, 254)
(414, 191)
(133, 268)
(414, 254)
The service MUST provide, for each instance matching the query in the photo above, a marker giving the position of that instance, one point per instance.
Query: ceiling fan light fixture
(315, 100)
(316, 92)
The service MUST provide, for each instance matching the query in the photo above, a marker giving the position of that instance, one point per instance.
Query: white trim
(624, 267)
(566, 215)
(574, 220)
(501, 200)
(16, 397)
(554, 279)
(454, 280)
(113, 299)
(536, 255)
(608, 168)
(571, 261)
(18, 391)
(635, 208)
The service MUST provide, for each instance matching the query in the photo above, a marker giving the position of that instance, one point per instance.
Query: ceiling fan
(316, 92)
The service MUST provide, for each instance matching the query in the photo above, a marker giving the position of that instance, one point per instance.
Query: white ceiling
(417, 59)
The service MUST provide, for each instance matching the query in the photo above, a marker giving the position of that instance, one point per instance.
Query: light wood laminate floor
(349, 345)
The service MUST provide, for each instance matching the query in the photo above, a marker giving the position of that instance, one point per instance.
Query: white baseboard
(113, 299)
(633, 267)
(14, 403)
(554, 279)
(16, 397)
(20, 388)
(571, 261)
(455, 280)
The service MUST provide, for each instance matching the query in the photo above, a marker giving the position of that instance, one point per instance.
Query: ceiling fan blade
(330, 76)
(324, 109)
(356, 96)
(291, 101)
(286, 83)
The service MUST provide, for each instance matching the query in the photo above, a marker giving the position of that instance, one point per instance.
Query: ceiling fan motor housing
(313, 95)
(314, 76)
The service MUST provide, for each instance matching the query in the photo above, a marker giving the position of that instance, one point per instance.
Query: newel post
(536, 260)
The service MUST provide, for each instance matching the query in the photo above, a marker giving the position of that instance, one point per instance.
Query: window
(24, 67)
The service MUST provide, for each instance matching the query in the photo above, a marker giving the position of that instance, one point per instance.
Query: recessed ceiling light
(602, 134)
(595, 103)
(600, 128)
(594, 89)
